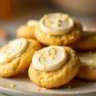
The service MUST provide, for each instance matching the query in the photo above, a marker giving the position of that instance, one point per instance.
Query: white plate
(26, 88)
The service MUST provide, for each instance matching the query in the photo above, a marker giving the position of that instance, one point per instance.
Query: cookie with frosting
(27, 31)
(58, 29)
(88, 66)
(53, 66)
(87, 42)
(16, 56)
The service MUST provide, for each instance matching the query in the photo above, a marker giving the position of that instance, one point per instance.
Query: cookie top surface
(49, 58)
(56, 23)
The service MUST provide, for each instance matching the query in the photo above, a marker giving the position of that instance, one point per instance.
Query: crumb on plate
(12, 85)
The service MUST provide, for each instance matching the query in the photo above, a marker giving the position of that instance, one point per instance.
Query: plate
(24, 87)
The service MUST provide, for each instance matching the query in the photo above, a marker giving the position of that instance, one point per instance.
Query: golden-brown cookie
(88, 66)
(87, 42)
(54, 75)
(27, 31)
(16, 56)
(57, 32)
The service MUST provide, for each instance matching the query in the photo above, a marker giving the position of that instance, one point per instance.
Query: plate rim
(16, 91)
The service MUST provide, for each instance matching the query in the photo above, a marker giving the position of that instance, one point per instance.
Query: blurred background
(14, 13)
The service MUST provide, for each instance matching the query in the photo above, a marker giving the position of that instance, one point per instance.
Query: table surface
(12, 24)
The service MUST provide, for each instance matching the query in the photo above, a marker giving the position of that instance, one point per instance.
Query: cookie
(27, 31)
(53, 66)
(16, 56)
(87, 42)
(88, 66)
(58, 29)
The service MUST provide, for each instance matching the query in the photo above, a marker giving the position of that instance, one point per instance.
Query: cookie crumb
(60, 14)
(45, 16)
(12, 85)
(66, 18)
(50, 22)
(54, 51)
(37, 89)
(52, 92)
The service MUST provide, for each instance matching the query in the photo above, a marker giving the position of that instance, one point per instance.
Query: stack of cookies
(47, 47)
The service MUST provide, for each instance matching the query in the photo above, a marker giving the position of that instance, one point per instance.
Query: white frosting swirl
(88, 59)
(49, 58)
(32, 23)
(56, 23)
(15, 48)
